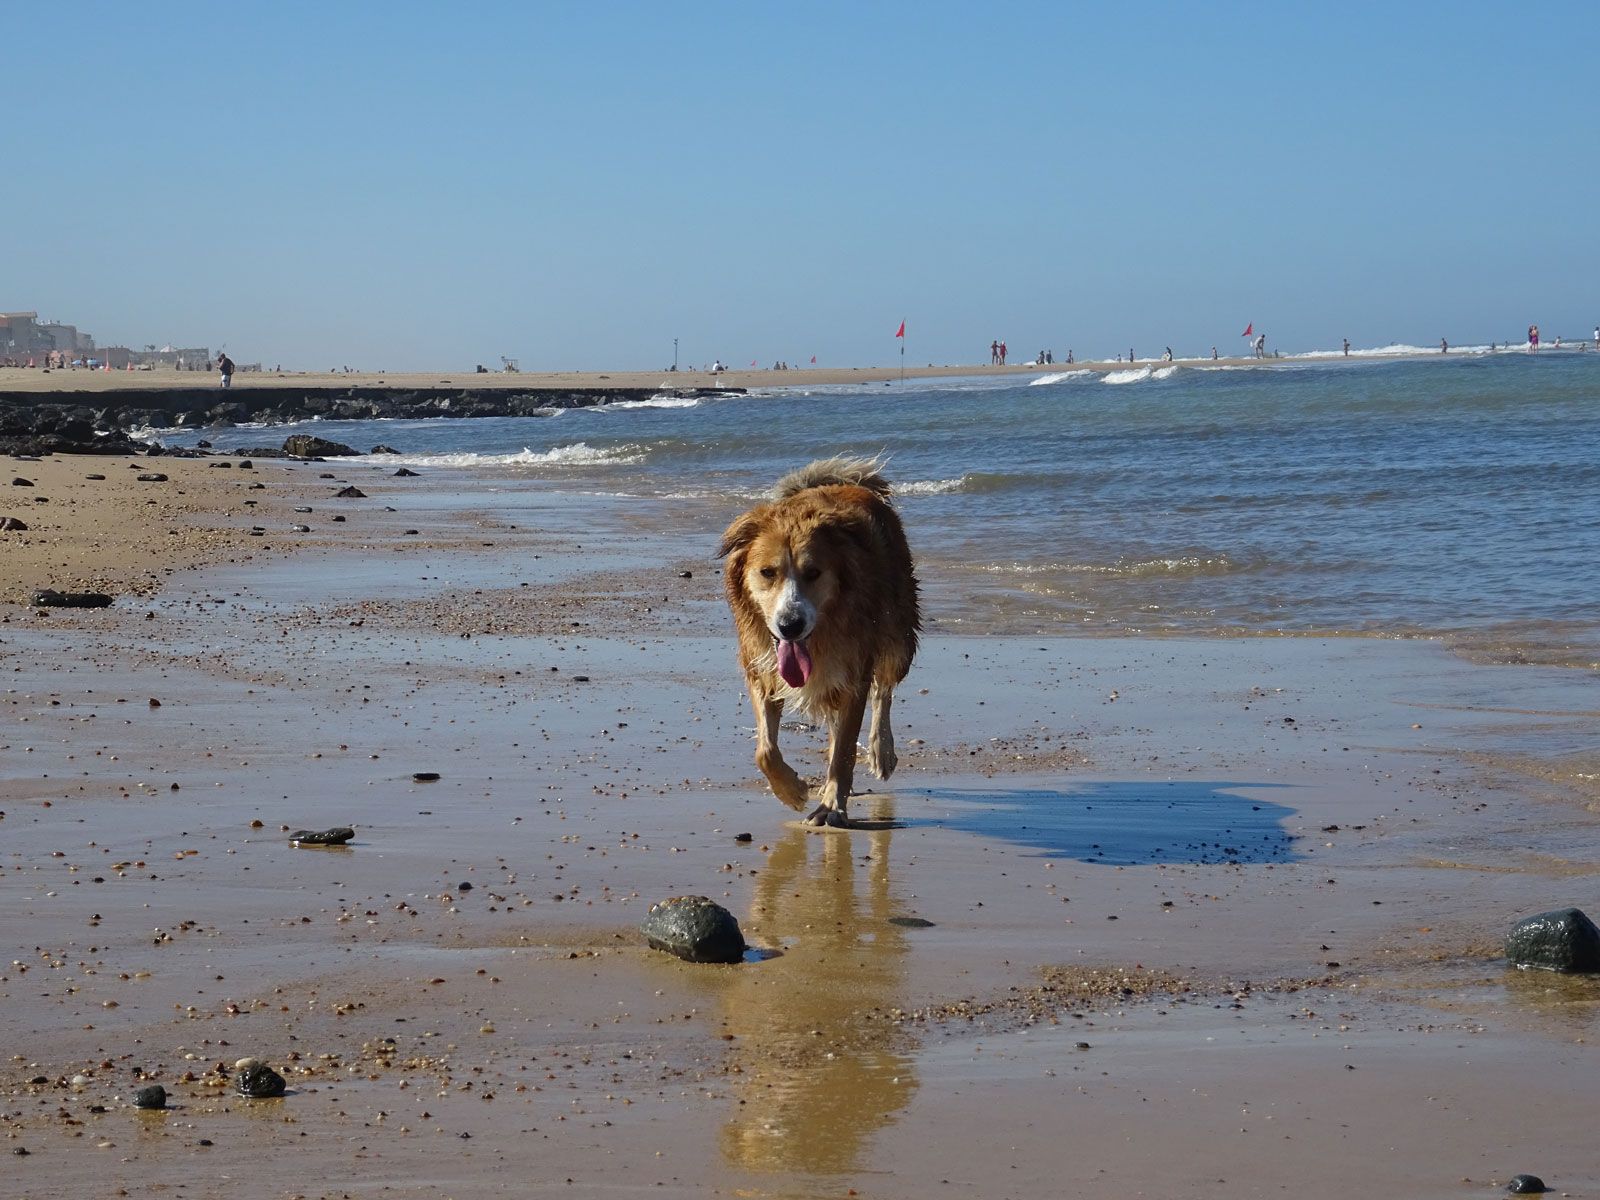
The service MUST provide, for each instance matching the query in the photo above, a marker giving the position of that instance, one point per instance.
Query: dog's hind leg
(881, 760)
(786, 785)
(841, 762)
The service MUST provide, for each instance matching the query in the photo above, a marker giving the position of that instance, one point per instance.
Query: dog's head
(791, 568)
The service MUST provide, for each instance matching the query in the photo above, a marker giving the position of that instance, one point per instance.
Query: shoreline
(20, 380)
(1309, 849)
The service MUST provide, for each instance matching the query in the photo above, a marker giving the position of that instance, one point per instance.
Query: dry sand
(1170, 917)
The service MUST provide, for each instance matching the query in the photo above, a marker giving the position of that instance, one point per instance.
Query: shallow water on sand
(1456, 495)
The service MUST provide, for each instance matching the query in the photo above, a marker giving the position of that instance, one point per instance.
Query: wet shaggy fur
(824, 598)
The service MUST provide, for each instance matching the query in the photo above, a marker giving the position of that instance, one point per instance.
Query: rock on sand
(694, 928)
(1560, 940)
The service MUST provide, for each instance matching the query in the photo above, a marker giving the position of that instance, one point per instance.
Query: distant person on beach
(225, 365)
(1213, 354)
(1260, 346)
(1069, 352)
(1444, 346)
(1002, 354)
(1168, 356)
(1130, 354)
(1347, 347)
(994, 352)
(1533, 338)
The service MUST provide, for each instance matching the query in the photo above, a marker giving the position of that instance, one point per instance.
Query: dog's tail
(857, 472)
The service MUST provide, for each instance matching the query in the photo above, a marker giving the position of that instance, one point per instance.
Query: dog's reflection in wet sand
(818, 1063)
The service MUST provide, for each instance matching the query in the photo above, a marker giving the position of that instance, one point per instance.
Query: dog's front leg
(881, 759)
(786, 785)
(841, 762)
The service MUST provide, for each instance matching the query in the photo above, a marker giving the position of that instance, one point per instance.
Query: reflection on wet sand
(820, 1064)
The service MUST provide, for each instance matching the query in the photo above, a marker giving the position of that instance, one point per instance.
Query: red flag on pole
(1249, 329)
(813, 358)
(901, 332)
(752, 362)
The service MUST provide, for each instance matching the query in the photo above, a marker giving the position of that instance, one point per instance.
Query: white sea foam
(657, 401)
(1163, 372)
(929, 487)
(578, 454)
(1059, 377)
(1400, 350)
(1136, 375)
(1190, 564)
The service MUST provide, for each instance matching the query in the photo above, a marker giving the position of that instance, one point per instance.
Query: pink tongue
(794, 663)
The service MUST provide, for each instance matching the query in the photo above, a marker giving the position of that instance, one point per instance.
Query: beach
(1174, 914)
(21, 379)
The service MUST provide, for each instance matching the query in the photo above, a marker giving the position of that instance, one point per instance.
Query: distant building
(67, 339)
(20, 335)
(172, 359)
(23, 337)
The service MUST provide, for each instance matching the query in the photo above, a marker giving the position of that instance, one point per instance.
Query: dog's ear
(741, 533)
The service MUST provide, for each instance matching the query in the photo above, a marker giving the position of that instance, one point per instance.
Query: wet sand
(1171, 916)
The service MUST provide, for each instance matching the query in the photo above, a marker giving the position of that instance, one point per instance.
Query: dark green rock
(259, 1082)
(694, 928)
(911, 922)
(154, 1096)
(1526, 1185)
(1560, 940)
(303, 445)
(337, 836)
(50, 598)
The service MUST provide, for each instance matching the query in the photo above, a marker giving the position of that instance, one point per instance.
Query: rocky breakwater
(90, 422)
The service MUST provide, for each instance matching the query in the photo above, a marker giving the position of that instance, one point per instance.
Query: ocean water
(1456, 496)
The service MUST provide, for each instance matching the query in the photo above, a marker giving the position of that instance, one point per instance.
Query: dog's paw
(786, 785)
(881, 760)
(793, 792)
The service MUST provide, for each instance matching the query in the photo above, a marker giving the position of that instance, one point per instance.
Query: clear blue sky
(398, 185)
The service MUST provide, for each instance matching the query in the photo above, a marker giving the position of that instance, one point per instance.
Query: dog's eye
(769, 572)
(811, 574)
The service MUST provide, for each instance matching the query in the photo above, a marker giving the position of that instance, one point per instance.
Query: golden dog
(824, 599)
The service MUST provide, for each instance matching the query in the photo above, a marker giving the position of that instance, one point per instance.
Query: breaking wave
(1189, 564)
(1060, 377)
(657, 401)
(930, 487)
(578, 454)
(1135, 375)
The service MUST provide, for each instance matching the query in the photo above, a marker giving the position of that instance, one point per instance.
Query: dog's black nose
(790, 628)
